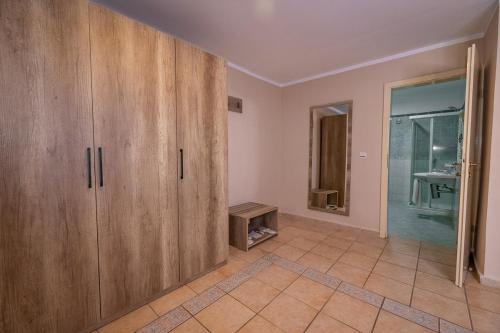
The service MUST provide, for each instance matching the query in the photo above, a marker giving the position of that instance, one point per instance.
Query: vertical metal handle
(182, 164)
(101, 174)
(89, 167)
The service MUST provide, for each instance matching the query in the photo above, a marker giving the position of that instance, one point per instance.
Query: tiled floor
(319, 277)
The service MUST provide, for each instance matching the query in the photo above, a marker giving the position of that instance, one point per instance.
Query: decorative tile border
(233, 281)
(198, 303)
(447, 327)
(257, 266)
(322, 278)
(361, 294)
(287, 264)
(411, 314)
(167, 322)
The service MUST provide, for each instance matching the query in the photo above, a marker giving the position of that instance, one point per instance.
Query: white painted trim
(363, 64)
(257, 76)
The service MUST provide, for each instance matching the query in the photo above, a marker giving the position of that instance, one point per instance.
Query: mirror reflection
(330, 157)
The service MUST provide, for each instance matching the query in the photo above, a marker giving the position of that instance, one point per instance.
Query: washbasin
(436, 175)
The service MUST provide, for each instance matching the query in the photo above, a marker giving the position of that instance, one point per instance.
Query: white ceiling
(285, 41)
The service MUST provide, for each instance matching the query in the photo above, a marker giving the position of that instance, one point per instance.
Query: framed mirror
(330, 157)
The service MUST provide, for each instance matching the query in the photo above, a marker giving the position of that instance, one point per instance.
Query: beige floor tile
(277, 277)
(407, 241)
(371, 238)
(351, 311)
(302, 243)
(444, 307)
(190, 326)
(435, 268)
(259, 325)
(440, 257)
(358, 260)
(316, 262)
(289, 252)
(314, 235)
(289, 314)
(395, 272)
(255, 294)
(309, 292)
(206, 281)
(325, 324)
(340, 243)
(284, 237)
(326, 251)
(484, 299)
(172, 300)
(404, 248)
(350, 274)
(389, 288)
(399, 259)
(234, 251)
(367, 250)
(389, 323)
(473, 281)
(484, 321)
(252, 255)
(438, 285)
(438, 248)
(130, 322)
(233, 265)
(347, 233)
(225, 315)
(270, 245)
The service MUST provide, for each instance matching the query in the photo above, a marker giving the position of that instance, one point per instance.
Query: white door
(470, 164)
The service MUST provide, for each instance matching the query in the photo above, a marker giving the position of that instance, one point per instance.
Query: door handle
(89, 167)
(182, 163)
(101, 173)
(473, 164)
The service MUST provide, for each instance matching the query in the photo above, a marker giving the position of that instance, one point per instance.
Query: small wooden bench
(248, 216)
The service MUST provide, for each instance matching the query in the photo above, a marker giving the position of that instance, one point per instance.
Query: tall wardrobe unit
(113, 168)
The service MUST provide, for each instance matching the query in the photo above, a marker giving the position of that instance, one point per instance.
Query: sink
(436, 175)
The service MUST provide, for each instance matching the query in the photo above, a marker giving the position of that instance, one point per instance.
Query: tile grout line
(468, 308)
(416, 272)
(376, 262)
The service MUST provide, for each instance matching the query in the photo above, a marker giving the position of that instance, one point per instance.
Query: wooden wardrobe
(114, 165)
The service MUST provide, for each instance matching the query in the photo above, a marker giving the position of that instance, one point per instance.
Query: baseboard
(483, 279)
(295, 216)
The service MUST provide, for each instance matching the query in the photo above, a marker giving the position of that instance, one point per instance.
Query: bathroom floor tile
(252, 255)
(399, 259)
(338, 242)
(444, 307)
(438, 285)
(225, 315)
(289, 252)
(259, 325)
(130, 322)
(270, 245)
(367, 250)
(190, 326)
(172, 300)
(485, 321)
(277, 277)
(404, 248)
(483, 299)
(316, 262)
(233, 265)
(255, 294)
(289, 314)
(445, 258)
(358, 260)
(389, 323)
(332, 253)
(371, 238)
(389, 288)
(395, 272)
(347, 233)
(351, 311)
(302, 243)
(348, 273)
(435, 268)
(325, 324)
(206, 281)
(309, 292)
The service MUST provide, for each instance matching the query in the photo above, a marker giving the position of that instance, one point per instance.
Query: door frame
(386, 127)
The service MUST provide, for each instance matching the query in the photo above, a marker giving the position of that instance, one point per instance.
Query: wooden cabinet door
(202, 137)
(133, 81)
(48, 233)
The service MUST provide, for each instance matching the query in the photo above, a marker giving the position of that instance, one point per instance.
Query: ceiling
(287, 41)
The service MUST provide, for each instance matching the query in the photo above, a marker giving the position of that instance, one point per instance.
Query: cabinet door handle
(182, 164)
(101, 173)
(89, 167)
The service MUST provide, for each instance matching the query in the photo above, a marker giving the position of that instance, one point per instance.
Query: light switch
(363, 155)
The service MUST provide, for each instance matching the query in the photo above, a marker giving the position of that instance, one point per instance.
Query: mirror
(330, 157)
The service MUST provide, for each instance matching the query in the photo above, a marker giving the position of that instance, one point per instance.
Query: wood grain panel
(133, 69)
(48, 237)
(202, 134)
(333, 155)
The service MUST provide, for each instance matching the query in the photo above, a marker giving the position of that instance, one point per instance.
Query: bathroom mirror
(330, 157)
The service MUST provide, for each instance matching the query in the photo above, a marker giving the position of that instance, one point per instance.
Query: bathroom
(425, 150)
